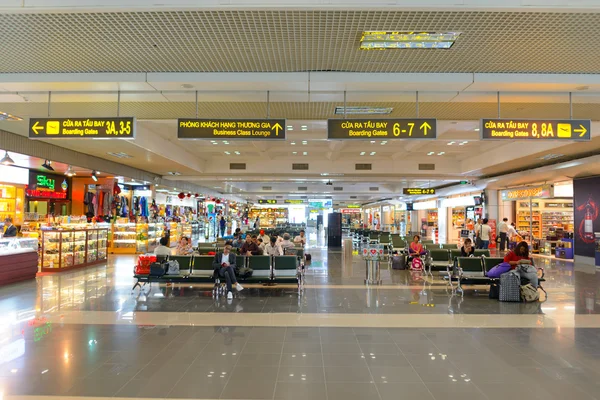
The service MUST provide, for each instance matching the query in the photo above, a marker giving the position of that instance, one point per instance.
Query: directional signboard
(529, 129)
(229, 129)
(369, 129)
(73, 128)
(418, 191)
(268, 201)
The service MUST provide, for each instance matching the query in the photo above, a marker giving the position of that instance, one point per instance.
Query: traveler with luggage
(520, 262)
(223, 265)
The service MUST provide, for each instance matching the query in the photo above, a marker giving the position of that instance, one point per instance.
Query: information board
(267, 201)
(418, 191)
(529, 129)
(229, 129)
(402, 128)
(73, 128)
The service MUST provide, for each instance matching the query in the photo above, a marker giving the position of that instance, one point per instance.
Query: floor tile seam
(415, 371)
(279, 367)
(232, 369)
(323, 363)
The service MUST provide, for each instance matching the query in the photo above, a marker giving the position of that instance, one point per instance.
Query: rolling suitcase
(399, 261)
(510, 287)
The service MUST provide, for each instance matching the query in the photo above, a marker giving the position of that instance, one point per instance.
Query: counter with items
(67, 249)
(18, 259)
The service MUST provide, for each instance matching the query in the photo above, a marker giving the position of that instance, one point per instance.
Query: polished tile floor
(85, 334)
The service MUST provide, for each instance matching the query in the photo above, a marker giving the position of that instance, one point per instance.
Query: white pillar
(442, 225)
(491, 205)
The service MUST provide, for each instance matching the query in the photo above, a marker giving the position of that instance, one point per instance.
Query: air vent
(237, 166)
(363, 167)
(267, 188)
(303, 188)
(426, 167)
(354, 197)
(301, 167)
(338, 188)
(374, 189)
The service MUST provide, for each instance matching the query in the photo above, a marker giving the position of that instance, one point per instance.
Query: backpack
(173, 267)
(529, 293)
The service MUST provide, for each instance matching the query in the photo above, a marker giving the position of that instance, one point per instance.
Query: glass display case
(146, 237)
(66, 249)
(124, 237)
(175, 230)
(17, 245)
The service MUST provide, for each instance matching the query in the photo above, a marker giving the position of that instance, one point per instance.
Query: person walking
(503, 229)
(222, 224)
(485, 233)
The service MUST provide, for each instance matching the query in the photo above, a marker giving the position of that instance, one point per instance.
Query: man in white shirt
(273, 248)
(512, 232)
(162, 249)
(300, 239)
(503, 229)
(485, 232)
(286, 244)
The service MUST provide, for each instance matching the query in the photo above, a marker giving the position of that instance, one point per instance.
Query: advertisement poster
(586, 201)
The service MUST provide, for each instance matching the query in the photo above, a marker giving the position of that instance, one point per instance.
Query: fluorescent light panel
(363, 110)
(9, 117)
(378, 40)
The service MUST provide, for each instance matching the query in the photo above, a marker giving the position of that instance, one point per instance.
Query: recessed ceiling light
(9, 117)
(378, 40)
(174, 173)
(372, 142)
(431, 153)
(228, 153)
(294, 152)
(304, 142)
(187, 86)
(362, 153)
(476, 129)
(305, 153)
(451, 143)
(463, 143)
(441, 153)
(290, 128)
(237, 153)
(363, 110)
(373, 153)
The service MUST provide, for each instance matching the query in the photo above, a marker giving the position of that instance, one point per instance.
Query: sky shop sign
(47, 186)
(538, 192)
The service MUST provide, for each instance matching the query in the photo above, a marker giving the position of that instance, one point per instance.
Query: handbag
(172, 267)
(158, 269)
(529, 293)
(499, 270)
(494, 291)
(244, 272)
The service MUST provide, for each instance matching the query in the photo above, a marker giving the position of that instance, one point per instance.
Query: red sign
(350, 211)
(492, 224)
(45, 194)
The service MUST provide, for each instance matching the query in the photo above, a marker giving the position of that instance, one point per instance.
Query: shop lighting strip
(382, 40)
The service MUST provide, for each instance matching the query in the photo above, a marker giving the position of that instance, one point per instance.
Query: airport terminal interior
(285, 200)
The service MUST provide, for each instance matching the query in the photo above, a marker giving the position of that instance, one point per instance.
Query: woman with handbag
(520, 261)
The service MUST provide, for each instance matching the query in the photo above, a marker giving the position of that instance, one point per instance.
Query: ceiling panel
(294, 41)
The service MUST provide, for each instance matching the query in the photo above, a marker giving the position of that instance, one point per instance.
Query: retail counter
(18, 259)
(67, 249)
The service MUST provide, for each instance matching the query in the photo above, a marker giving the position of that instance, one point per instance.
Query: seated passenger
(286, 244)
(520, 261)
(273, 248)
(223, 265)
(250, 248)
(265, 238)
(237, 241)
(184, 248)
(300, 239)
(162, 249)
(467, 249)
(416, 247)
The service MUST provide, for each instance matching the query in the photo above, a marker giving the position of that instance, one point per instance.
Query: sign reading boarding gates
(418, 191)
(71, 128)
(406, 128)
(229, 129)
(529, 129)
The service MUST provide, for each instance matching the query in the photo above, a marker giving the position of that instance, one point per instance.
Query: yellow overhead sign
(228, 129)
(417, 191)
(400, 128)
(511, 129)
(70, 128)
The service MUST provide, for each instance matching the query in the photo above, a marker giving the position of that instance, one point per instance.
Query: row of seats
(199, 269)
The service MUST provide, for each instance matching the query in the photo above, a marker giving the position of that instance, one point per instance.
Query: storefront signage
(267, 201)
(558, 205)
(289, 201)
(353, 205)
(349, 210)
(19, 176)
(46, 186)
(229, 129)
(538, 192)
(402, 128)
(70, 128)
(552, 129)
(417, 191)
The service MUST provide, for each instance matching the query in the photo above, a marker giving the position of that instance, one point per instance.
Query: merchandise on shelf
(11, 203)
(63, 249)
(269, 217)
(146, 238)
(124, 237)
